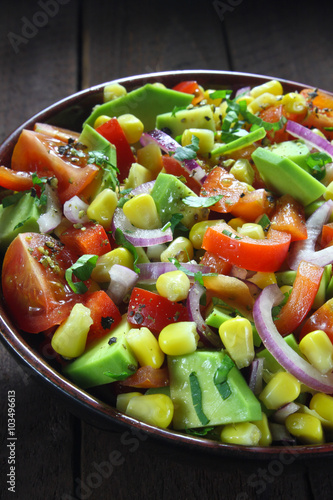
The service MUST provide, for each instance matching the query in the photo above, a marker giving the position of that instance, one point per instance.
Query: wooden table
(50, 49)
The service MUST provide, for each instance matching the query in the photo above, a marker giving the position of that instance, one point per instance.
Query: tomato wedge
(327, 235)
(190, 87)
(300, 300)
(147, 377)
(33, 283)
(254, 204)
(16, 181)
(266, 255)
(221, 182)
(321, 319)
(289, 216)
(216, 264)
(320, 113)
(104, 313)
(174, 167)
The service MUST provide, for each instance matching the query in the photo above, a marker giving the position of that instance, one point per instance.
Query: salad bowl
(93, 405)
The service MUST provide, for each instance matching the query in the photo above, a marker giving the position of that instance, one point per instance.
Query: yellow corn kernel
(294, 102)
(138, 174)
(173, 285)
(159, 85)
(243, 433)
(150, 156)
(131, 126)
(263, 101)
(328, 195)
(141, 211)
(237, 337)
(70, 337)
(252, 230)
(124, 399)
(266, 435)
(120, 255)
(102, 208)
(181, 249)
(323, 405)
(247, 98)
(113, 91)
(318, 349)
(236, 223)
(243, 171)
(286, 289)
(153, 409)
(197, 231)
(100, 120)
(263, 279)
(205, 136)
(273, 87)
(177, 339)
(145, 347)
(306, 428)
(283, 388)
(219, 113)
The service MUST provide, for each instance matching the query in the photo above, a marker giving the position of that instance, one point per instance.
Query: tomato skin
(300, 300)
(253, 205)
(37, 296)
(265, 255)
(190, 87)
(216, 264)
(147, 377)
(272, 115)
(289, 216)
(90, 239)
(320, 113)
(174, 167)
(221, 182)
(149, 309)
(104, 313)
(16, 181)
(321, 319)
(327, 235)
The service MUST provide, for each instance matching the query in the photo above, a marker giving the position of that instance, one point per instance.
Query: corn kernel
(236, 223)
(306, 428)
(243, 433)
(181, 249)
(294, 102)
(70, 337)
(283, 388)
(145, 347)
(266, 435)
(141, 211)
(160, 85)
(113, 91)
(100, 120)
(247, 98)
(197, 231)
(102, 208)
(318, 349)
(219, 113)
(262, 279)
(177, 339)
(153, 409)
(263, 101)
(124, 398)
(273, 86)
(237, 337)
(243, 171)
(120, 255)
(286, 289)
(328, 194)
(138, 175)
(173, 285)
(205, 136)
(252, 230)
(323, 405)
(150, 156)
(131, 126)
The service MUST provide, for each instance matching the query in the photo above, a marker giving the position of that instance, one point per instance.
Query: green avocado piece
(270, 362)
(21, 217)
(176, 123)
(282, 175)
(296, 151)
(168, 193)
(145, 103)
(240, 406)
(106, 360)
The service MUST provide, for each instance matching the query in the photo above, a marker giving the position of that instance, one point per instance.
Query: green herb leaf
(187, 152)
(220, 94)
(197, 398)
(21, 223)
(202, 201)
(264, 222)
(221, 377)
(82, 270)
(116, 376)
(108, 165)
(231, 234)
(40, 182)
(122, 241)
(176, 109)
(316, 162)
(198, 275)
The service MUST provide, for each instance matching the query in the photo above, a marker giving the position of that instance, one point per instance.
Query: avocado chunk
(296, 151)
(270, 362)
(239, 406)
(168, 193)
(21, 217)
(145, 103)
(106, 360)
(177, 122)
(283, 176)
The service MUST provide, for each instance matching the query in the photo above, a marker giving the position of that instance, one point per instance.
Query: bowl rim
(103, 414)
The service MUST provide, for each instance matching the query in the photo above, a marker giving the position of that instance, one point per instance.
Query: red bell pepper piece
(104, 313)
(90, 239)
(146, 377)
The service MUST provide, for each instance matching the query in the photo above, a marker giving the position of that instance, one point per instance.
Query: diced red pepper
(217, 265)
(327, 235)
(174, 167)
(190, 87)
(321, 319)
(254, 204)
(16, 181)
(104, 313)
(221, 182)
(147, 377)
(289, 216)
(91, 239)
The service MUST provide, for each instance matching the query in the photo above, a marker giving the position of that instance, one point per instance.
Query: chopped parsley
(201, 201)
(197, 398)
(188, 152)
(316, 162)
(82, 270)
(108, 165)
(231, 235)
(221, 377)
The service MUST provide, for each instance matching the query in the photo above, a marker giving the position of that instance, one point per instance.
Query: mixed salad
(177, 251)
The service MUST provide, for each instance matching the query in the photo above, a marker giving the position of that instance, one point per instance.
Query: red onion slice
(152, 270)
(207, 336)
(305, 249)
(139, 237)
(53, 215)
(144, 188)
(282, 413)
(278, 347)
(311, 138)
(256, 378)
(75, 210)
(122, 280)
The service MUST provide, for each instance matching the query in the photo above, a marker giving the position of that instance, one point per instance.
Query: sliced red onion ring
(152, 270)
(305, 249)
(280, 434)
(311, 138)
(282, 413)
(238, 272)
(255, 381)
(53, 215)
(122, 280)
(207, 336)
(75, 210)
(278, 347)
(139, 237)
(144, 188)
(242, 91)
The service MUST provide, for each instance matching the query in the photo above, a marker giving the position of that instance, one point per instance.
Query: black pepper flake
(207, 118)
(112, 340)
(131, 368)
(106, 322)
(242, 195)
(138, 318)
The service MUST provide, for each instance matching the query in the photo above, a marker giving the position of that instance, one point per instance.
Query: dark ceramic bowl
(70, 113)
